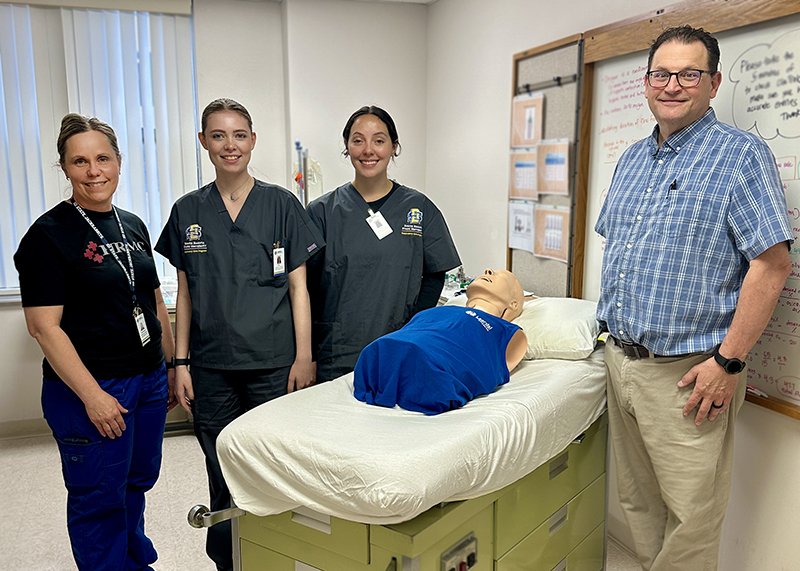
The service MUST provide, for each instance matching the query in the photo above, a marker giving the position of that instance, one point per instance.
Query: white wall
(343, 55)
(239, 54)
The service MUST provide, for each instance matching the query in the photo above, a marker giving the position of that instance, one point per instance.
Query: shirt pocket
(680, 214)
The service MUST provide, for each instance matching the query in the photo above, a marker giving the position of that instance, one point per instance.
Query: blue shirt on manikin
(443, 358)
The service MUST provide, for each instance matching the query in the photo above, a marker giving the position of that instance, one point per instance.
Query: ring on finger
(715, 405)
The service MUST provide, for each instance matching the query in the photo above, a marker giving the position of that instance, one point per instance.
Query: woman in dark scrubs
(388, 248)
(240, 247)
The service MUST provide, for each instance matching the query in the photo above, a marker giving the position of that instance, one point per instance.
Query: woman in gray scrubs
(240, 246)
(388, 248)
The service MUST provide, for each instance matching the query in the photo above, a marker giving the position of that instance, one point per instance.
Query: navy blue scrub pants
(106, 479)
(220, 397)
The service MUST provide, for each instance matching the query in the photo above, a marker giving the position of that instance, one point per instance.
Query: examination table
(513, 481)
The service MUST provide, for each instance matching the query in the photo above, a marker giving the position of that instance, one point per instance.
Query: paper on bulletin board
(553, 163)
(552, 232)
(527, 118)
(522, 180)
(520, 225)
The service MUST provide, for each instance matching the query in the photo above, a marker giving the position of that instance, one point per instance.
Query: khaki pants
(673, 477)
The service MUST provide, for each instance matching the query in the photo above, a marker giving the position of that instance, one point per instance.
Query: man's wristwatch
(732, 366)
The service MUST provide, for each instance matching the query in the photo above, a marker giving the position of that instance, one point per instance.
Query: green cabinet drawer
(590, 555)
(522, 506)
(563, 531)
(295, 534)
(257, 558)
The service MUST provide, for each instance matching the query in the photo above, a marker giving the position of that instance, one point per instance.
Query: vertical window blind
(134, 70)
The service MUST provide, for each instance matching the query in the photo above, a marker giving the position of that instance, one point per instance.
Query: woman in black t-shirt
(92, 301)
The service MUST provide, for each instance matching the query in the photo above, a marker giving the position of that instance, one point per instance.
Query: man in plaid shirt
(695, 259)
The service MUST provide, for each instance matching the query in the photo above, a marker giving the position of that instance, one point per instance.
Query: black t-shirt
(241, 312)
(62, 261)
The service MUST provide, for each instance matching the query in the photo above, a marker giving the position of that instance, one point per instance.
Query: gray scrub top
(363, 287)
(241, 314)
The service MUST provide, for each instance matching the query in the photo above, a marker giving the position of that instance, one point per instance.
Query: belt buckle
(632, 350)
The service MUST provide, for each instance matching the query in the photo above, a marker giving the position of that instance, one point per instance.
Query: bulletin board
(760, 92)
(546, 84)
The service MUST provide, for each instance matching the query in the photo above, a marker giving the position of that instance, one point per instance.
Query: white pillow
(559, 327)
(556, 327)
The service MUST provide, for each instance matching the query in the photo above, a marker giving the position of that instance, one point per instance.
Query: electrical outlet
(462, 556)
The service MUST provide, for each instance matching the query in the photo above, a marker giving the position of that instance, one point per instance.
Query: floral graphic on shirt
(91, 253)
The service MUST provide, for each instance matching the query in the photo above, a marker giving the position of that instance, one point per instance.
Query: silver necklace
(237, 194)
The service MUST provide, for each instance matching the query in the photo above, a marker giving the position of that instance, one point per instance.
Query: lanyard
(129, 270)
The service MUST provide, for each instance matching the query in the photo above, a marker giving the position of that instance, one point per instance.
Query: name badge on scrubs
(141, 325)
(378, 224)
(278, 262)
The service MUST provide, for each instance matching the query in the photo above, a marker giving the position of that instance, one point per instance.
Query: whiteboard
(760, 93)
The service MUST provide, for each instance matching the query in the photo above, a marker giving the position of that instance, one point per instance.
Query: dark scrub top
(241, 315)
(363, 287)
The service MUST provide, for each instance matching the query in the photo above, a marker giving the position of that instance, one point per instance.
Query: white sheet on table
(323, 449)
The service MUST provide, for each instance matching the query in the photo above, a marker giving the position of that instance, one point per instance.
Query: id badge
(278, 262)
(141, 325)
(379, 225)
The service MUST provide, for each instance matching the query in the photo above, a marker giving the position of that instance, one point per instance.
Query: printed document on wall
(552, 232)
(527, 117)
(553, 163)
(520, 225)
(522, 179)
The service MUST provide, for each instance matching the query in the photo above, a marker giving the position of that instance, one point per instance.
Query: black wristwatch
(732, 366)
(172, 363)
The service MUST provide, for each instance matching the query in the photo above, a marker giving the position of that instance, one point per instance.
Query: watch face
(734, 366)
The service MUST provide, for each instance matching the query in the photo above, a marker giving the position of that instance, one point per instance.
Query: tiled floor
(33, 535)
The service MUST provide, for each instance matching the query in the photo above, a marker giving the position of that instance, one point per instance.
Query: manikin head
(497, 292)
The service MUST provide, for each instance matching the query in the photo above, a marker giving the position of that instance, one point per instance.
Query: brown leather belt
(636, 351)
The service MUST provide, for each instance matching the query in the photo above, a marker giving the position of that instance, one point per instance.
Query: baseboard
(178, 422)
(23, 428)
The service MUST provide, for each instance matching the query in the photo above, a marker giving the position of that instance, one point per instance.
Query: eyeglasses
(685, 77)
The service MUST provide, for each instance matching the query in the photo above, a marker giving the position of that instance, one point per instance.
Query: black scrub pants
(220, 396)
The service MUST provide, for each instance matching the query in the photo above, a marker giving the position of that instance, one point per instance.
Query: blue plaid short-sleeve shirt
(681, 224)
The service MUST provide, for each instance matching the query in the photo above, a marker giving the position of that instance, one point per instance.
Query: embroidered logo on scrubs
(194, 243)
(413, 225)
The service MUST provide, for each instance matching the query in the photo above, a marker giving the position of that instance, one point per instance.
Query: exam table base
(551, 520)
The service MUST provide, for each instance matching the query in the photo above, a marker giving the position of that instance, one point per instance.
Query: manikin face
(499, 289)
(229, 142)
(92, 167)
(673, 106)
(370, 148)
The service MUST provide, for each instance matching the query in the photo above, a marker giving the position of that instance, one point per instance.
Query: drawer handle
(310, 518)
(562, 566)
(558, 519)
(558, 465)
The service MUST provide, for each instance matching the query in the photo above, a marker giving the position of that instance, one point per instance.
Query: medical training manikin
(448, 355)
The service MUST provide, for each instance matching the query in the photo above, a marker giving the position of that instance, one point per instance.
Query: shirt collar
(678, 140)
